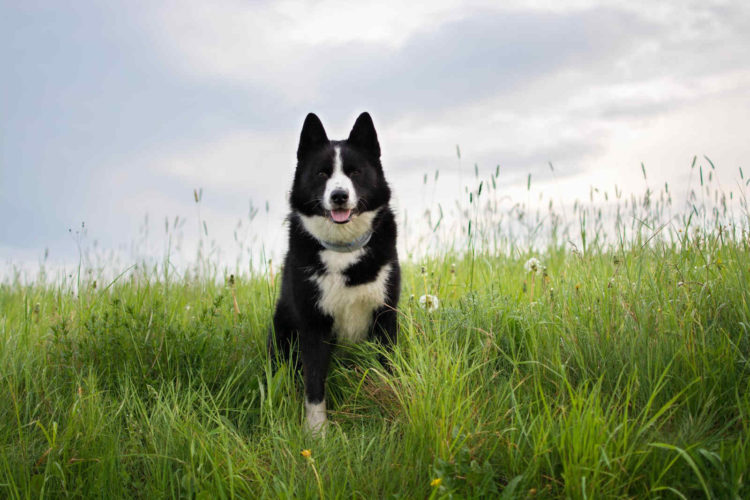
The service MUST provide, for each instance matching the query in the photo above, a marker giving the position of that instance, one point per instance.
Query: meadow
(612, 366)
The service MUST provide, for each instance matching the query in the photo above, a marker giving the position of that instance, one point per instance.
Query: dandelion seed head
(429, 302)
(533, 266)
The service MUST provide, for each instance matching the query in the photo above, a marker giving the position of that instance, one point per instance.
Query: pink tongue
(340, 215)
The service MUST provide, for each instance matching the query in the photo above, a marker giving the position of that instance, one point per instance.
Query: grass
(619, 370)
(624, 375)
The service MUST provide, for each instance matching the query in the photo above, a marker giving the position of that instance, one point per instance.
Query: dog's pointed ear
(312, 137)
(364, 137)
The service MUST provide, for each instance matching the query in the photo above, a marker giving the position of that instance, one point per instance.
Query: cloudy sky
(111, 111)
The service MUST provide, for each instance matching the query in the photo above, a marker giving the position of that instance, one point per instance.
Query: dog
(341, 278)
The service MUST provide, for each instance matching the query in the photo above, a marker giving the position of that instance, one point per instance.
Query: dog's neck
(350, 246)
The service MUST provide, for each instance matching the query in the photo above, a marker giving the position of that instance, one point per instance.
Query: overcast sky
(113, 110)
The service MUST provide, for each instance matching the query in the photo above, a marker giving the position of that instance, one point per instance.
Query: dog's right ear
(313, 136)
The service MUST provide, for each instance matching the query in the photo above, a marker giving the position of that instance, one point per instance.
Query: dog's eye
(323, 174)
(354, 171)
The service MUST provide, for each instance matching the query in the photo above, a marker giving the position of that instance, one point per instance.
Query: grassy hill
(605, 374)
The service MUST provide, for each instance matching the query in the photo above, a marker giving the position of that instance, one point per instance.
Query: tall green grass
(619, 369)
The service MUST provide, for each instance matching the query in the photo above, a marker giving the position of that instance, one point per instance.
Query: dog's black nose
(339, 196)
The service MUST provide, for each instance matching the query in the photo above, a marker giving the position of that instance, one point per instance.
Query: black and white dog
(341, 278)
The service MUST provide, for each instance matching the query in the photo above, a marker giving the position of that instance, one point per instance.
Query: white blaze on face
(339, 180)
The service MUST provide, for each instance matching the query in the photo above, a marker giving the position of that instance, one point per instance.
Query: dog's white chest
(351, 307)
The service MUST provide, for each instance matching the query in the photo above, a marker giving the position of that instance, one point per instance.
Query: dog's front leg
(385, 326)
(385, 331)
(316, 355)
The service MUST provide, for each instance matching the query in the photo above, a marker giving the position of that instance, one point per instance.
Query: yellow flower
(436, 482)
(306, 453)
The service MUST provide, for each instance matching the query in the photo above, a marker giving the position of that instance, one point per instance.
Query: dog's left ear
(364, 137)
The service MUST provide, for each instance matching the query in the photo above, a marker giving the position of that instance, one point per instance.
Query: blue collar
(350, 246)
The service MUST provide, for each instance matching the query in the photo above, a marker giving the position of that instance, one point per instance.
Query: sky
(114, 112)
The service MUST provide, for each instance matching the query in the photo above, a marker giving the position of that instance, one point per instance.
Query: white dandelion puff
(429, 302)
(533, 266)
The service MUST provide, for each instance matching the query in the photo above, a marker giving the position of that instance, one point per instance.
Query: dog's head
(338, 185)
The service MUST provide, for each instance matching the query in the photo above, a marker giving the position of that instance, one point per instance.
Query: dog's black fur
(305, 321)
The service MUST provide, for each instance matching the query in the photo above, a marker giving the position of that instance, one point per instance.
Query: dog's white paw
(315, 418)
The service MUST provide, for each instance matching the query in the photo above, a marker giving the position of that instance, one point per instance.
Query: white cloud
(271, 43)
(240, 162)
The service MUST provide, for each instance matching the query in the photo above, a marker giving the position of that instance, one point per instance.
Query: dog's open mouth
(341, 216)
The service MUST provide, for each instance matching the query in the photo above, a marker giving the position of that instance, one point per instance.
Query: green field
(616, 370)
(615, 374)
